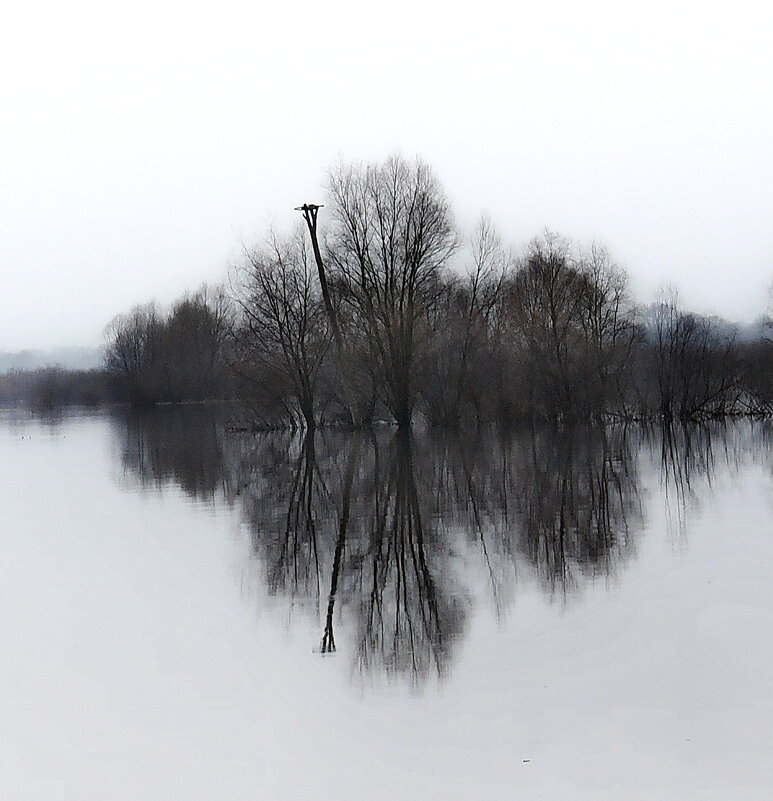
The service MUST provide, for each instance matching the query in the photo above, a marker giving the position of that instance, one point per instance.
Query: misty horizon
(745, 316)
(87, 352)
(127, 179)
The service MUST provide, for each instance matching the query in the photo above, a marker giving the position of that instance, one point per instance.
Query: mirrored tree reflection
(182, 445)
(765, 436)
(564, 502)
(576, 497)
(385, 540)
(687, 460)
(386, 535)
(691, 455)
(410, 612)
(341, 524)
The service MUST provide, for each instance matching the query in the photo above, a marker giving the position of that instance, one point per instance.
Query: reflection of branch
(328, 638)
(687, 454)
(576, 502)
(380, 519)
(300, 526)
(402, 620)
(473, 495)
(182, 445)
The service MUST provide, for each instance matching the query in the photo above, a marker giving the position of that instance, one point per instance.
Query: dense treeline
(383, 312)
(152, 356)
(386, 314)
(173, 357)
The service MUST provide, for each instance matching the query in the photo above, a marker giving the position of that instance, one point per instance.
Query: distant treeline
(383, 313)
(48, 388)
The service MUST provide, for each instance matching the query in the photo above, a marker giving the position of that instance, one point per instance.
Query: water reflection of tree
(182, 445)
(383, 538)
(339, 522)
(565, 499)
(689, 457)
(471, 494)
(365, 527)
(286, 501)
(409, 615)
(577, 499)
(766, 438)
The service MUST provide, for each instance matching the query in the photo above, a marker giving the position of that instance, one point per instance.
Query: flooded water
(537, 614)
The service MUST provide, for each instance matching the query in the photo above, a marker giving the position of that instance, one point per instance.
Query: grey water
(575, 613)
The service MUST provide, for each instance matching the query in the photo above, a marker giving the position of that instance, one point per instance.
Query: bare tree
(610, 331)
(132, 352)
(193, 345)
(696, 361)
(283, 337)
(758, 355)
(392, 234)
(343, 356)
(462, 352)
(544, 300)
(178, 356)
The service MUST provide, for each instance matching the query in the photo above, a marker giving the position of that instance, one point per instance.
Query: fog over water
(577, 612)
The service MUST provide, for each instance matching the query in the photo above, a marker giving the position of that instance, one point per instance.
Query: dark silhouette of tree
(610, 334)
(193, 343)
(133, 352)
(368, 320)
(391, 236)
(464, 343)
(343, 355)
(282, 336)
(697, 362)
(176, 357)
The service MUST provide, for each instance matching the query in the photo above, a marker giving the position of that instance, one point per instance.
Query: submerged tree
(610, 332)
(758, 377)
(343, 354)
(132, 354)
(464, 350)
(696, 362)
(177, 356)
(282, 335)
(369, 320)
(391, 236)
(194, 342)
(544, 302)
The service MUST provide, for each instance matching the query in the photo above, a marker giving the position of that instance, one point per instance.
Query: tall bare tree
(463, 333)
(283, 336)
(193, 345)
(132, 354)
(610, 332)
(343, 355)
(392, 234)
(697, 363)
(544, 303)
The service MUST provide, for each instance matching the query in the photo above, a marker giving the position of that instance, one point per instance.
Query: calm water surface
(542, 614)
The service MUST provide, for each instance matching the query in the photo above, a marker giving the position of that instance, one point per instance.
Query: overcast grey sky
(142, 143)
